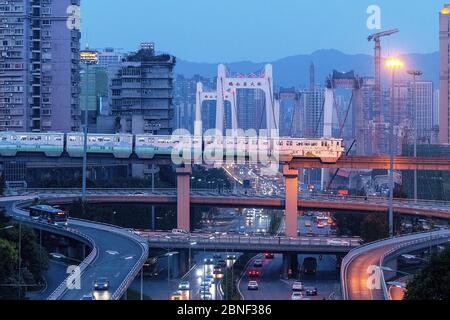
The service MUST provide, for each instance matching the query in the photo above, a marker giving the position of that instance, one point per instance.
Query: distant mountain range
(294, 71)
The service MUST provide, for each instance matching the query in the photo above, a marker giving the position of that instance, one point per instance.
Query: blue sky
(257, 30)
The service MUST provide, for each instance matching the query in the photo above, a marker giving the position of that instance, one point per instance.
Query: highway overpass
(247, 243)
(359, 266)
(116, 253)
(305, 201)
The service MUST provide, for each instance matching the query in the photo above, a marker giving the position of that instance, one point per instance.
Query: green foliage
(433, 282)
(125, 215)
(374, 227)
(369, 226)
(2, 184)
(32, 265)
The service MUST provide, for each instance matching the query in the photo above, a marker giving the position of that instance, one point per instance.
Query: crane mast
(377, 109)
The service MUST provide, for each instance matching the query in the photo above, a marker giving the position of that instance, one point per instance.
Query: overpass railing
(353, 254)
(138, 265)
(63, 287)
(203, 240)
(433, 238)
(445, 205)
(90, 259)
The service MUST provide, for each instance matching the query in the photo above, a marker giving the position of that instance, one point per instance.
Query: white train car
(148, 146)
(50, 144)
(120, 145)
(327, 150)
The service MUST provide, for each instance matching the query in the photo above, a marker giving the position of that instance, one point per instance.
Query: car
(209, 261)
(179, 232)
(253, 286)
(231, 257)
(258, 263)
(269, 255)
(222, 263)
(101, 284)
(184, 286)
(176, 296)
(138, 193)
(308, 224)
(311, 292)
(88, 297)
(210, 279)
(217, 270)
(253, 274)
(205, 296)
(337, 242)
(298, 286)
(217, 256)
(297, 296)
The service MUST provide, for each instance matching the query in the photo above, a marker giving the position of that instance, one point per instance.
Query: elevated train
(122, 146)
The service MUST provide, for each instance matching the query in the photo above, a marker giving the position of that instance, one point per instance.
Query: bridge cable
(337, 171)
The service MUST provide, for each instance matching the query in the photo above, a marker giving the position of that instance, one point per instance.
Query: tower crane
(377, 39)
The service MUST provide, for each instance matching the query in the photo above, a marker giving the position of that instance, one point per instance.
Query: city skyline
(248, 27)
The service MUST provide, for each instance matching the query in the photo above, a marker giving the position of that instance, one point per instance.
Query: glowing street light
(392, 64)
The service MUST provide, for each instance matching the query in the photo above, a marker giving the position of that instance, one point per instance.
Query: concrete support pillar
(183, 263)
(290, 265)
(183, 198)
(286, 265)
(291, 212)
(392, 264)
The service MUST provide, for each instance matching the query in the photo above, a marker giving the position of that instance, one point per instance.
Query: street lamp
(89, 58)
(393, 64)
(168, 255)
(190, 257)
(415, 74)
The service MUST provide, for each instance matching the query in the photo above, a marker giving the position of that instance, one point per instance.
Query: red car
(254, 274)
(269, 255)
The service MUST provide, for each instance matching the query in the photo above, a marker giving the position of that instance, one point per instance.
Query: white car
(336, 242)
(253, 285)
(180, 232)
(297, 296)
(298, 286)
(184, 286)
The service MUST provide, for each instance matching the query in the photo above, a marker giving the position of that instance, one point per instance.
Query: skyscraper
(444, 92)
(39, 66)
(142, 93)
(424, 102)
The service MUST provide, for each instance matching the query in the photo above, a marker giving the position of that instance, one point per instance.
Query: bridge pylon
(291, 209)
(184, 198)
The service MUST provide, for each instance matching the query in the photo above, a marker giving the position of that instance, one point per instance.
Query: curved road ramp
(362, 277)
(116, 254)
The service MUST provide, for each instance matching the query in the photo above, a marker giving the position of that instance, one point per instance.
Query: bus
(310, 266)
(50, 214)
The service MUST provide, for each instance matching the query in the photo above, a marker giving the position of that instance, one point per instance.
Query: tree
(9, 258)
(2, 184)
(433, 281)
(374, 227)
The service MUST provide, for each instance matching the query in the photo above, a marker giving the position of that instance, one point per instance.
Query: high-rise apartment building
(142, 93)
(444, 88)
(423, 95)
(314, 101)
(39, 66)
